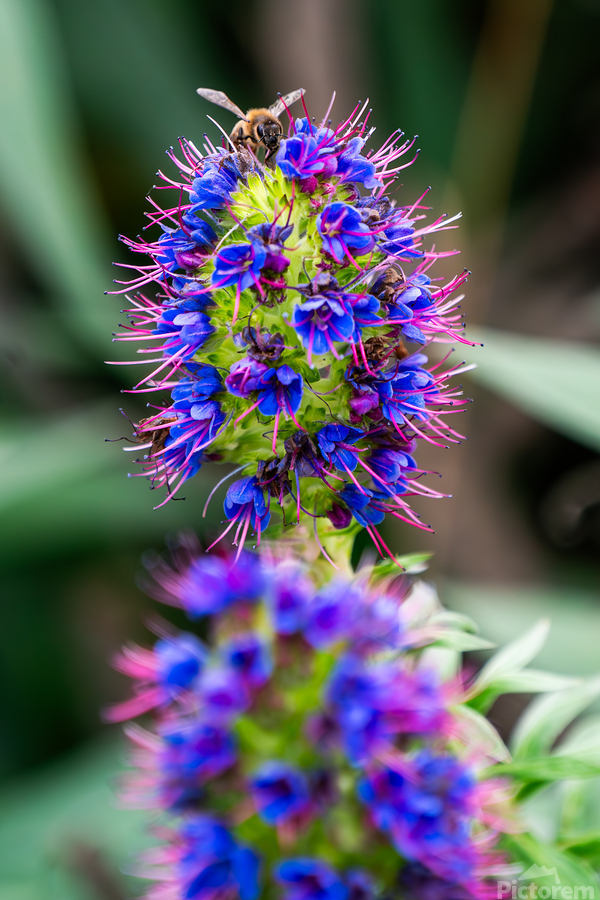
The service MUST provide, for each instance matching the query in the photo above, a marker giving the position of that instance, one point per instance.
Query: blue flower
(185, 330)
(193, 752)
(245, 501)
(351, 166)
(301, 156)
(280, 390)
(189, 393)
(239, 265)
(410, 304)
(273, 238)
(214, 864)
(180, 662)
(219, 178)
(334, 443)
(249, 657)
(375, 702)
(404, 394)
(391, 465)
(244, 377)
(290, 593)
(210, 584)
(341, 227)
(279, 791)
(310, 879)
(362, 505)
(223, 692)
(429, 815)
(323, 319)
(179, 250)
(397, 239)
(331, 613)
(364, 310)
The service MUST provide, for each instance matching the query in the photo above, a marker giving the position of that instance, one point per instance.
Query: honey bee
(258, 126)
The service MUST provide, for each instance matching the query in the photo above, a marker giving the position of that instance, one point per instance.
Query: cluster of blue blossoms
(293, 306)
(306, 744)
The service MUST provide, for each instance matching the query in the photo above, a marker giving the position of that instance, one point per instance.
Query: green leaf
(583, 741)
(547, 717)
(529, 681)
(545, 768)
(502, 612)
(555, 381)
(570, 869)
(475, 730)
(409, 563)
(512, 658)
(45, 817)
(587, 846)
(45, 187)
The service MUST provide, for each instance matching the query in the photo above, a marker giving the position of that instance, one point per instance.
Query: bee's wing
(278, 107)
(223, 100)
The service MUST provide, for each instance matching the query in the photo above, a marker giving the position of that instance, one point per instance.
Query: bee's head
(269, 133)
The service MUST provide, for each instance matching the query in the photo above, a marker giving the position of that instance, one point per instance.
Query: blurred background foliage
(505, 95)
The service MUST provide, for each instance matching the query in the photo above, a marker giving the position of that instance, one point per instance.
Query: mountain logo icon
(539, 872)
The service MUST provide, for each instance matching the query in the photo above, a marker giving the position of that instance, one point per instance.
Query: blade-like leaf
(545, 768)
(547, 716)
(44, 186)
(476, 731)
(583, 741)
(513, 657)
(554, 381)
(571, 870)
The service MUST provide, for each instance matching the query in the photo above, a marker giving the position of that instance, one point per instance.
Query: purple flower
(212, 863)
(310, 879)
(335, 444)
(193, 752)
(429, 816)
(249, 657)
(351, 166)
(273, 238)
(179, 250)
(339, 516)
(280, 390)
(245, 503)
(376, 702)
(290, 593)
(223, 693)
(244, 377)
(341, 228)
(239, 265)
(279, 791)
(331, 613)
(210, 583)
(180, 662)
